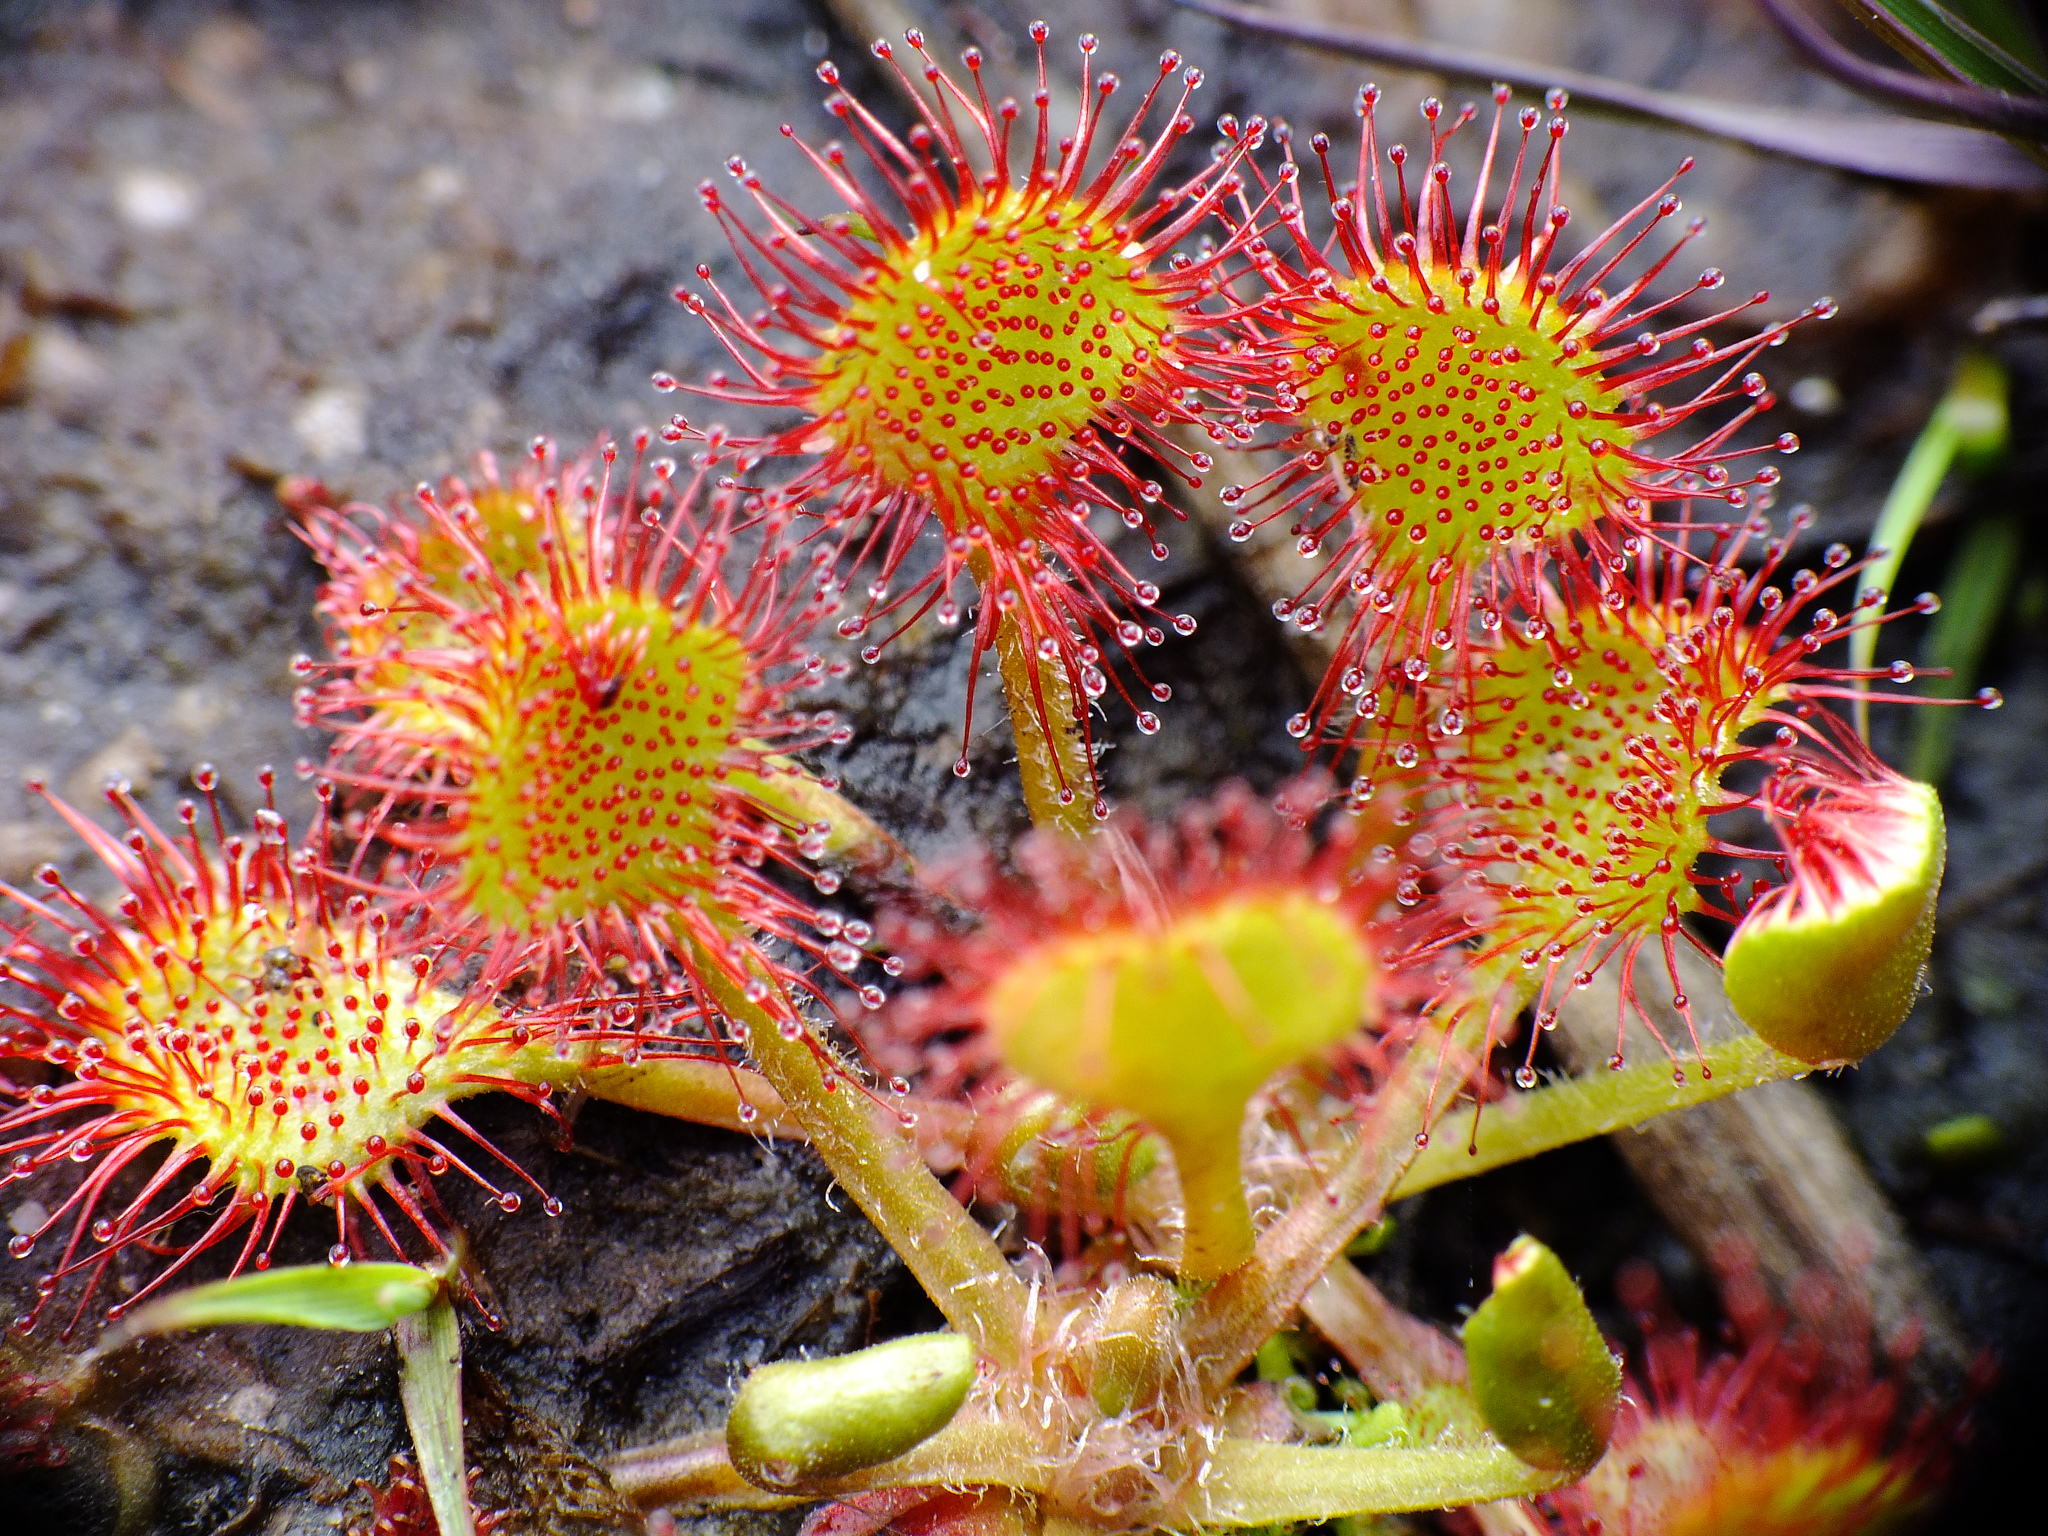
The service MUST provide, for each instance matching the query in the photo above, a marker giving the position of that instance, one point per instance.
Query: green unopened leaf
(1541, 1373)
(800, 1421)
(1125, 1347)
(356, 1298)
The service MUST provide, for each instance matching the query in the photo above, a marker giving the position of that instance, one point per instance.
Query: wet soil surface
(364, 242)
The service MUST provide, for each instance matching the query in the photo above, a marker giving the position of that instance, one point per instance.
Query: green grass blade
(1988, 41)
(2006, 25)
(430, 1386)
(1972, 598)
(1969, 424)
(356, 1298)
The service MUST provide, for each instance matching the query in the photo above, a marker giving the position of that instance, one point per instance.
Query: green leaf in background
(1972, 598)
(1991, 42)
(1969, 427)
(357, 1298)
(1962, 1141)
(430, 1386)
(2007, 25)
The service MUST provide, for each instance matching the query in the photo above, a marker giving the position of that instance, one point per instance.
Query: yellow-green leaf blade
(430, 1386)
(1252, 1482)
(354, 1298)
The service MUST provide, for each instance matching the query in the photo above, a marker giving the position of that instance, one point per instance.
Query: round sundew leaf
(249, 1013)
(1590, 799)
(290, 1001)
(971, 360)
(1828, 974)
(1541, 1374)
(1432, 485)
(1181, 1025)
(799, 1421)
(598, 781)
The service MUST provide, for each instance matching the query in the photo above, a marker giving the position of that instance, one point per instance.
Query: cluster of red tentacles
(1055, 1159)
(549, 840)
(973, 358)
(1789, 1431)
(400, 1507)
(28, 1414)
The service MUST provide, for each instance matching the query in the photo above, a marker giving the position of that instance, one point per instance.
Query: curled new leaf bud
(1541, 1373)
(1048, 1144)
(1829, 967)
(1126, 1348)
(801, 1421)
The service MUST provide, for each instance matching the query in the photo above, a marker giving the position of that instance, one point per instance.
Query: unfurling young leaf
(1829, 966)
(1541, 1373)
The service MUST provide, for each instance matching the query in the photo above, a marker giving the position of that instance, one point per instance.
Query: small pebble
(155, 201)
(330, 423)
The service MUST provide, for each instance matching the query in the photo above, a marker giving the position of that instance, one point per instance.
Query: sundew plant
(1587, 710)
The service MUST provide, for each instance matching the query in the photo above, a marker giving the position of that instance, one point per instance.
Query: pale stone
(155, 201)
(330, 423)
